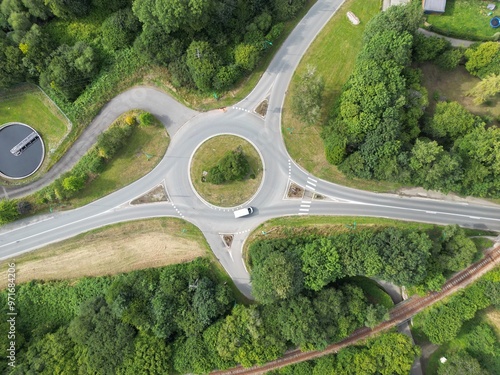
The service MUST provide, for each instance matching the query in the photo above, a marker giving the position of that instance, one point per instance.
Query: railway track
(399, 314)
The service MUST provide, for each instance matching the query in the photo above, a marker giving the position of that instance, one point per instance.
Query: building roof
(434, 6)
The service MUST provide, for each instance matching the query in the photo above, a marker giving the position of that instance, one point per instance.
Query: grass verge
(143, 152)
(333, 53)
(228, 194)
(27, 104)
(464, 19)
(112, 249)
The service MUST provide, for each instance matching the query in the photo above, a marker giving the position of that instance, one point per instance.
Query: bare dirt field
(111, 250)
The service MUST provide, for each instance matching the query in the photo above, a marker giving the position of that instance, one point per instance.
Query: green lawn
(27, 104)
(465, 19)
(231, 193)
(333, 53)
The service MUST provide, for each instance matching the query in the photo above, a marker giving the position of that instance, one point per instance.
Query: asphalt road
(188, 129)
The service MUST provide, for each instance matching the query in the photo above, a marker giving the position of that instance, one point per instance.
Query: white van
(243, 212)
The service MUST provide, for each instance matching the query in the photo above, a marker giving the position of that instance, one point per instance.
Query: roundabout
(189, 130)
(21, 150)
(226, 193)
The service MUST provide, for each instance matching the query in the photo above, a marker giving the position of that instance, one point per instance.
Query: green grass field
(229, 194)
(465, 19)
(27, 104)
(333, 53)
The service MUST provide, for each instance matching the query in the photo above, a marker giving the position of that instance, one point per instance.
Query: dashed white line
(310, 187)
(304, 209)
(310, 183)
(306, 202)
(305, 205)
(312, 179)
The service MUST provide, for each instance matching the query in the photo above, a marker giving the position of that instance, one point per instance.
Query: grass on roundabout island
(27, 104)
(232, 193)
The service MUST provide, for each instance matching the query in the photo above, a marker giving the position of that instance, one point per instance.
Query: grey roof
(434, 5)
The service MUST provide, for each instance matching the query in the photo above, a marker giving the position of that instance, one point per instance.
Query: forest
(177, 319)
(78, 50)
(284, 267)
(379, 128)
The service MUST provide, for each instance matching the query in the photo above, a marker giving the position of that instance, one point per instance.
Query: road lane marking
(431, 212)
(303, 209)
(312, 179)
(310, 183)
(305, 205)
(310, 188)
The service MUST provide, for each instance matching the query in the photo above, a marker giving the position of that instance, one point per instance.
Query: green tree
(36, 46)
(278, 278)
(38, 9)
(458, 250)
(203, 64)
(174, 15)
(70, 70)
(146, 119)
(119, 29)
(246, 56)
(53, 354)
(484, 59)
(151, 356)
(451, 120)
(404, 255)
(486, 89)
(427, 48)
(461, 363)
(11, 67)
(321, 264)
(298, 324)
(286, 9)
(91, 329)
(73, 183)
(69, 9)
(191, 356)
(244, 339)
(450, 59)
(8, 211)
(306, 101)
(394, 353)
(376, 314)
(233, 166)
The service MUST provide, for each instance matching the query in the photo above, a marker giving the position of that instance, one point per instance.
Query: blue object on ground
(495, 22)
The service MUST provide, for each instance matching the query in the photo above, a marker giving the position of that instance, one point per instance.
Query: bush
(484, 59)
(450, 59)
(232, 167)
(428, 48)
(146, 119)
(119, 29)
(8, 211)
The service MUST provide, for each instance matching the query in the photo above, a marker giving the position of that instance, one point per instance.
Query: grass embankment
(333, 53)
(112, 249)
(464, 19)
(454, 85)
(27, 104)
(232, 193)
(144, 150)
